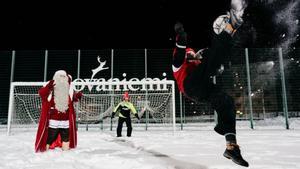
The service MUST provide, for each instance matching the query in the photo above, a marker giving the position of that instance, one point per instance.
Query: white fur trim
(180, 46)
(70, 77)
(58, 124)
(71, 92)
(44, 128)
(175, 69)
(228, 134)
(50, 97)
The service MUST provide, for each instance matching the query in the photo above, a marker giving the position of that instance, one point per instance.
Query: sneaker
(233, 152)
(220, 24)
(228, 23)
(236, 13)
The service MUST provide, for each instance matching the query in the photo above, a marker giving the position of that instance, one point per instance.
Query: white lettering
(121, 85)
(131, 88)
(81, 86)
(101, 87)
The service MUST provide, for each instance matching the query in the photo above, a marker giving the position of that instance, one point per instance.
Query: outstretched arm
(117, 107)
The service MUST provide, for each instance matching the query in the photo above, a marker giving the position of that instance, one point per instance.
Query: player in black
(124, 109)
(193, 73)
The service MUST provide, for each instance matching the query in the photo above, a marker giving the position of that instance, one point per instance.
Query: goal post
(156, 97)
(17, 96)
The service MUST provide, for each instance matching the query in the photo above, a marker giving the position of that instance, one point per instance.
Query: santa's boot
(233, 20)
(65, 146)
(233, 152)
(236, 13)
(224, 24)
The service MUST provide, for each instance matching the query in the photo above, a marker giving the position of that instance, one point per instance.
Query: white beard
(61, 95)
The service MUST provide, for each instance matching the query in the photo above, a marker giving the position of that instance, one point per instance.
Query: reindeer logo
(99, 68)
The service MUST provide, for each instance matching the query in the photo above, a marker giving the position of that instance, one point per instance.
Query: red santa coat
(42, 132)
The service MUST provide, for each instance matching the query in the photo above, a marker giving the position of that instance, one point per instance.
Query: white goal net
(153, 100)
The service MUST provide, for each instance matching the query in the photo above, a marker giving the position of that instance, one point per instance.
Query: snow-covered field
(187, 149)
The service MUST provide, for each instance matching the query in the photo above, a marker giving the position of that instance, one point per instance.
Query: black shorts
(53, 133)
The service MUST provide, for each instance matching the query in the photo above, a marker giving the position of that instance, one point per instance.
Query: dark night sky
(113, 24)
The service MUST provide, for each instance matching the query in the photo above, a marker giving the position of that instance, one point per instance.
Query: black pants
(200, 87)
(120, 126)
(53, 133)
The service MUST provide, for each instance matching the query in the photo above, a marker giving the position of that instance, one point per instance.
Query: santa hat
(59, 73)
(71, 90)
(69, 78)
(125, 96)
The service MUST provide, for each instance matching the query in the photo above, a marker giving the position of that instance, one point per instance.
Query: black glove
(181, 36)
(113, 115)
(137, 116)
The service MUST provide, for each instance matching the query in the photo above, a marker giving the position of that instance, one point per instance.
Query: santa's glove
(50, 85)
(137, 116)
(181, 36)
(79, 95)
(113, 115)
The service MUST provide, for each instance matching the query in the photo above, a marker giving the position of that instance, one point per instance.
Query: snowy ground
(188, 149)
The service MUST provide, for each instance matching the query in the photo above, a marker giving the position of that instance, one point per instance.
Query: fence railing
(265, 83)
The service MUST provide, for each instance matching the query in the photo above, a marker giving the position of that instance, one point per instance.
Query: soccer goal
(154, 101)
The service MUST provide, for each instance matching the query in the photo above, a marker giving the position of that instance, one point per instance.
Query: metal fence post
(12, 68)
(46, 65)
(78, 76)
(146, 75)
(249, 87)
(181, 118)
(78, 63)
(112, 94)
(284, 99)
(11, 88)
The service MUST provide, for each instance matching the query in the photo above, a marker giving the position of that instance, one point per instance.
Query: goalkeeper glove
(137, 116)
(113, 115)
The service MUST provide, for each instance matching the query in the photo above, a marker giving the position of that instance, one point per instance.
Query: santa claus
(57, 123)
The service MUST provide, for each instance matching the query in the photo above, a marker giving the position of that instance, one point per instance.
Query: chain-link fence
(263, 82)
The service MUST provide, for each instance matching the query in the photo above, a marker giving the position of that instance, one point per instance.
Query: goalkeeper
(124, 108)
(194, 71)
